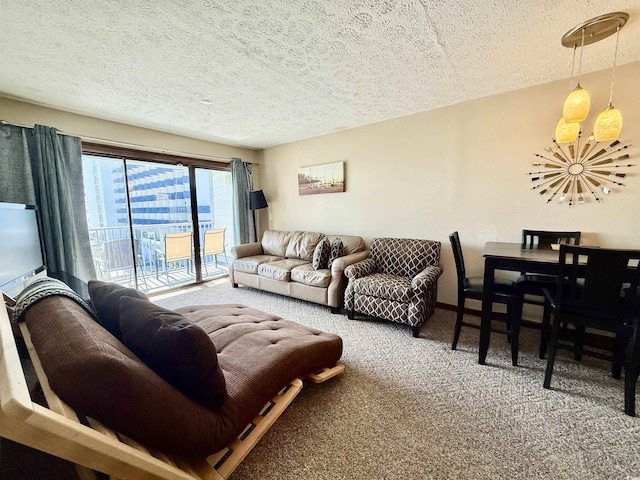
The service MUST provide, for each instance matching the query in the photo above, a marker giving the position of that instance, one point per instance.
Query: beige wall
(24, 113)
(461, 168)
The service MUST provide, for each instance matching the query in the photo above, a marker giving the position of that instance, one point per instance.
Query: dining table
(509, 257)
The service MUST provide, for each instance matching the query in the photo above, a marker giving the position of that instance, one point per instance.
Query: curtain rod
(130, 145)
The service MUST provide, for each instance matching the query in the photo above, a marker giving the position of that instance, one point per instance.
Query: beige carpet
(410, 408)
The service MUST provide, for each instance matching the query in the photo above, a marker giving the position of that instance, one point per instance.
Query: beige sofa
(282, 263)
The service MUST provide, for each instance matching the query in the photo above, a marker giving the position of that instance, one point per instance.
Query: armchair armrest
(361, 269)
(426, 277)
(246, 250)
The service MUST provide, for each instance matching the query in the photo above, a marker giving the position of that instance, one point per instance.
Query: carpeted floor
(410, 408)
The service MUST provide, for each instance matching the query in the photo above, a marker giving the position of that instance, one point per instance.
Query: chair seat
(384, 285)
(503, 287)
(533, 283)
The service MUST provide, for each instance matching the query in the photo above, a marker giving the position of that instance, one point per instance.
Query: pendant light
(609, 123)
(566, 132)
(576, 106)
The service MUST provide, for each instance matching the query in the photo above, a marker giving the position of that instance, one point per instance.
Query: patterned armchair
(398, 282)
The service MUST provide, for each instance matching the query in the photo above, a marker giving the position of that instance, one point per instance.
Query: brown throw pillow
(321, 254)
(105, 297)
(175, 348)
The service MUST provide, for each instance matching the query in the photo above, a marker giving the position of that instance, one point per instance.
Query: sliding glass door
(141, 222)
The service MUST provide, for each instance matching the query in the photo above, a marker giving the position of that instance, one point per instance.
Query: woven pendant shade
(566, 132)
(576, 106)
(608, 125)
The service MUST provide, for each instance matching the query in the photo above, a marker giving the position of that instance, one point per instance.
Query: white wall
(461, 168)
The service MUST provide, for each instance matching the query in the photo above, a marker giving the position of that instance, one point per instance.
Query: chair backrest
(118, 253)
(543, 239)
(214, 241)
(177, 246)
(598, 283)
(454, 238)
(404, 256)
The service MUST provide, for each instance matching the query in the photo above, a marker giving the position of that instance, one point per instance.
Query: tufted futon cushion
(97, 375)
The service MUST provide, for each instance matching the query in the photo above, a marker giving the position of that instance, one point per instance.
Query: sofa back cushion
(175, 348)
(275, 242)
(350, 243)
(302, 244)
(405, 257)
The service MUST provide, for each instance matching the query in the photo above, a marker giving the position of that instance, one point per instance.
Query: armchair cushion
(384, 285)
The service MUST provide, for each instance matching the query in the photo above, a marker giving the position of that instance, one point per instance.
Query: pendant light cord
(613, 72)
(581, 50)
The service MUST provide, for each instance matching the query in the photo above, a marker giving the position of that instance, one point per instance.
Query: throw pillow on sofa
(321, 254)
(175, 348)
(105, 297)
(337, 250)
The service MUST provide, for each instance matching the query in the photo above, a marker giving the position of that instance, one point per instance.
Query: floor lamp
(256, 202)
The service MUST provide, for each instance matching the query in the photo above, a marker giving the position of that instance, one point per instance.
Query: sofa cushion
(280, 269)
(351, 243)
(175, 348)
(321, 254)
(251, 264)
(308, 275)
(275, 242)
(302, 245)
(337, 250)
(105, 297)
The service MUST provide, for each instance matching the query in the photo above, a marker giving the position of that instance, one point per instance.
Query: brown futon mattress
(100, 377)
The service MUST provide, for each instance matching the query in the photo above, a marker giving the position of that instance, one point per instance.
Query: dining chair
(214, 246)
(506, 292)
(531, 284)
(598, 288)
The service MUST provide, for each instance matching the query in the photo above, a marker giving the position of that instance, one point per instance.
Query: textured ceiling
(277, 71)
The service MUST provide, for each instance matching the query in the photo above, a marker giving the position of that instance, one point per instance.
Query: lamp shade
(257, 200)
(566, 132)
(608, 125)
(576, 106)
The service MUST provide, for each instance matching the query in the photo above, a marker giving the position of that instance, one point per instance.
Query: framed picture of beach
(325, 178)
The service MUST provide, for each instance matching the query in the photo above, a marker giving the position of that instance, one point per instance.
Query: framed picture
(325, 178)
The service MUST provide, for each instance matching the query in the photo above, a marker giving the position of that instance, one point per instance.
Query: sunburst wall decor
(580, 171)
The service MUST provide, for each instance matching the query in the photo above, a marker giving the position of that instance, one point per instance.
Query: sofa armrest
(246, 250)
(428, 276)
(335, 292)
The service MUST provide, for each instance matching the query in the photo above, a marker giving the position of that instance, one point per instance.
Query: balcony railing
(114, 258)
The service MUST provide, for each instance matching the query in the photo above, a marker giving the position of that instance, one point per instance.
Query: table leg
(487, 307)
